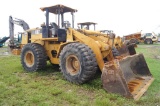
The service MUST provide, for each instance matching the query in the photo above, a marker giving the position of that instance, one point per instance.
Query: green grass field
(48, 87)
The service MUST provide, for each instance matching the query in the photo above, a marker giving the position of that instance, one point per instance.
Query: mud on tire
(78, 63)
(33, 57)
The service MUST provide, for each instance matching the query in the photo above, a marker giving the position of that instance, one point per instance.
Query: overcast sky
(121, 16)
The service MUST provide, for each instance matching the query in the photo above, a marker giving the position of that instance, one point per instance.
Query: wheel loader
(87, 25)
(118, 46)
(80, 55)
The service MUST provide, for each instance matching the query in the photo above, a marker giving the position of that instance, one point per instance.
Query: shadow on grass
(53, 70)
(49, 69)
(94, 83)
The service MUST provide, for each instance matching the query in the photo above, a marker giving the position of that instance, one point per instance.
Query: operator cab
(52, 29)
(107, 31)
(87, 25)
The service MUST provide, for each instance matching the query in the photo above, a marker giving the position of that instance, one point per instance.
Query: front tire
(148, 41)
(33, 57)
(78, 63)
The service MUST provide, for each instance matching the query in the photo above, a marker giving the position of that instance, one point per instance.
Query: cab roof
(86, 23)
(105, 30)
(54, 9)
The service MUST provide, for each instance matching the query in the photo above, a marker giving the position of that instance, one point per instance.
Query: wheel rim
(72, 64)
(29, 58)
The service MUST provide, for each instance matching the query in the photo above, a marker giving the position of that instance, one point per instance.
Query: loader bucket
(126, 50)
(129, 76)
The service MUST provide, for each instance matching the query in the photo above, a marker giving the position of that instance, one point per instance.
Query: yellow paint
(99, 44)
(92, 44)
(24, 39)
(35, 37)
(16, 51)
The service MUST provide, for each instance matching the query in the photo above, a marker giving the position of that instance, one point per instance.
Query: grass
(48, 87)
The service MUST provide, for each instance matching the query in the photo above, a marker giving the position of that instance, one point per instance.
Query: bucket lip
(144, 89)
(122, 58)
(130, 56)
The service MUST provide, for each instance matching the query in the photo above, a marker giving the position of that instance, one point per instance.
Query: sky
(122, 16)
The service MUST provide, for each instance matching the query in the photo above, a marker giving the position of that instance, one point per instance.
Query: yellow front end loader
(85, 28)
(80, 55)
(107, 36)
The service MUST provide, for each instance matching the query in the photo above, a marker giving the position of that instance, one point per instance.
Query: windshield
(148, 34)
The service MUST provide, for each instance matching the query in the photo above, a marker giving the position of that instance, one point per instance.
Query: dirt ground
(4, 51)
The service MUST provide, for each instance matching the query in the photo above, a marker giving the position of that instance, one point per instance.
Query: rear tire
(78, 63)
(33, 57)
